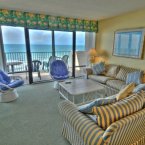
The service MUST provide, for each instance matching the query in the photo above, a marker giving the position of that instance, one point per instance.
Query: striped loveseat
(79, 129)
(113, 79)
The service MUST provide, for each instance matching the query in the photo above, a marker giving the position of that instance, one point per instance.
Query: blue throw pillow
(87, 108)
(134, 77)
(139, 88)
(98, 68)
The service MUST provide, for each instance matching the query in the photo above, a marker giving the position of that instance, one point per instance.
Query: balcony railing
(17, 61)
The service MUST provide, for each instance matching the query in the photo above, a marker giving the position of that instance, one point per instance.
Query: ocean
(40, 48)
(39, 52)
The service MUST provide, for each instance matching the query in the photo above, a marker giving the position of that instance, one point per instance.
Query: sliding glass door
(80, 54)
(63, 47)
(41, 51)
(72, 47)
(84, 41)
(14, 53)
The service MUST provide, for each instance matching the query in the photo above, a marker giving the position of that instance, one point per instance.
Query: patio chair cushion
(7, 82)
(4, 77)
(13, 84)
(16, 83)
(108, 114)
(58, 70)
(2, 80)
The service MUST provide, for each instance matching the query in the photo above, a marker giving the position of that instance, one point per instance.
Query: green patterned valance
(40, 21)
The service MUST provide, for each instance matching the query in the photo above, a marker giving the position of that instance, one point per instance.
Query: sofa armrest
(83, 125)
(134, 122)
(88, 71)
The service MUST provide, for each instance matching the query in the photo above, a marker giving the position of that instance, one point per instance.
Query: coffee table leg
(83, 99)
(73, 99)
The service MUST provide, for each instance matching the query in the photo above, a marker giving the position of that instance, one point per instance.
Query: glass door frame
(28, 50)
(2, 49)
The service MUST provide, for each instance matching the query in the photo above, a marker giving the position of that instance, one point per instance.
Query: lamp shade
(92, 52)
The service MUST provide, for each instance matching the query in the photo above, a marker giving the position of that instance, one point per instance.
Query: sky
(15, 35)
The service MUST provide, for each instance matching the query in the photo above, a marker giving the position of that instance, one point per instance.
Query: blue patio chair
(58, 71)
(46, 64)
(65, 59)
(7, 87)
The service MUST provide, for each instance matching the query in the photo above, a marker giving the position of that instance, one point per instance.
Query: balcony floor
(45, 76)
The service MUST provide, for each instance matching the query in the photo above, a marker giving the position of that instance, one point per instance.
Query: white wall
(90, 40)
(105, 36)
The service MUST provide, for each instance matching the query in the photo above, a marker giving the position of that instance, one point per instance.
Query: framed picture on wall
(129, 43)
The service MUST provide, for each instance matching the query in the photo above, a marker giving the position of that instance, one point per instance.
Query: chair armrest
(86, 128)
(88, 71)
(6, 87)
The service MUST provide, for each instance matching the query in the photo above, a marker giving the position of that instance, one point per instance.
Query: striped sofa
(113, 79)
(79, 129)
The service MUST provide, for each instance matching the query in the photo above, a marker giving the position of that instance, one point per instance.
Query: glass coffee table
(81, 91)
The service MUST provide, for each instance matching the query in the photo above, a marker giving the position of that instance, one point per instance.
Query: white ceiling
(87, 9)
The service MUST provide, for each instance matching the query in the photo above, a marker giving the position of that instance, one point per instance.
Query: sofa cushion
(99, 78)
(112, 70)
(135, 77)
(108, 114)
(87, 108)
(122, 74)
(125, 92)
(116, 84)
(98, 68)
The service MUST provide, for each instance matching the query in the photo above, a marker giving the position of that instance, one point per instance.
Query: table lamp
(92, 53)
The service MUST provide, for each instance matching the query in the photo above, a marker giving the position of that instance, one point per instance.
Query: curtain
(41, 21)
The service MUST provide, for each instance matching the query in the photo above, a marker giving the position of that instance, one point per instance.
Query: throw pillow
(139, 88)
(98, 68)
(87, 108)
(125, 92)
(112, 70)
(135, 77)
(122, 74)
(108, 114)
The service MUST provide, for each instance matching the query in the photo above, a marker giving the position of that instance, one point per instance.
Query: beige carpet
(33, 119)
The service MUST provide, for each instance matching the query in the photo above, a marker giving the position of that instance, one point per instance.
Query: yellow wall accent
(105, 36)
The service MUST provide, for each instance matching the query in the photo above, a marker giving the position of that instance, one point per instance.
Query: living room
(42, 114)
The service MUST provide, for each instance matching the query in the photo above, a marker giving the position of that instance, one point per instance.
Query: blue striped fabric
(134, 77)
(98, 68)
(87, 108)
(79, 129)
(139, 88)
(108, 114)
